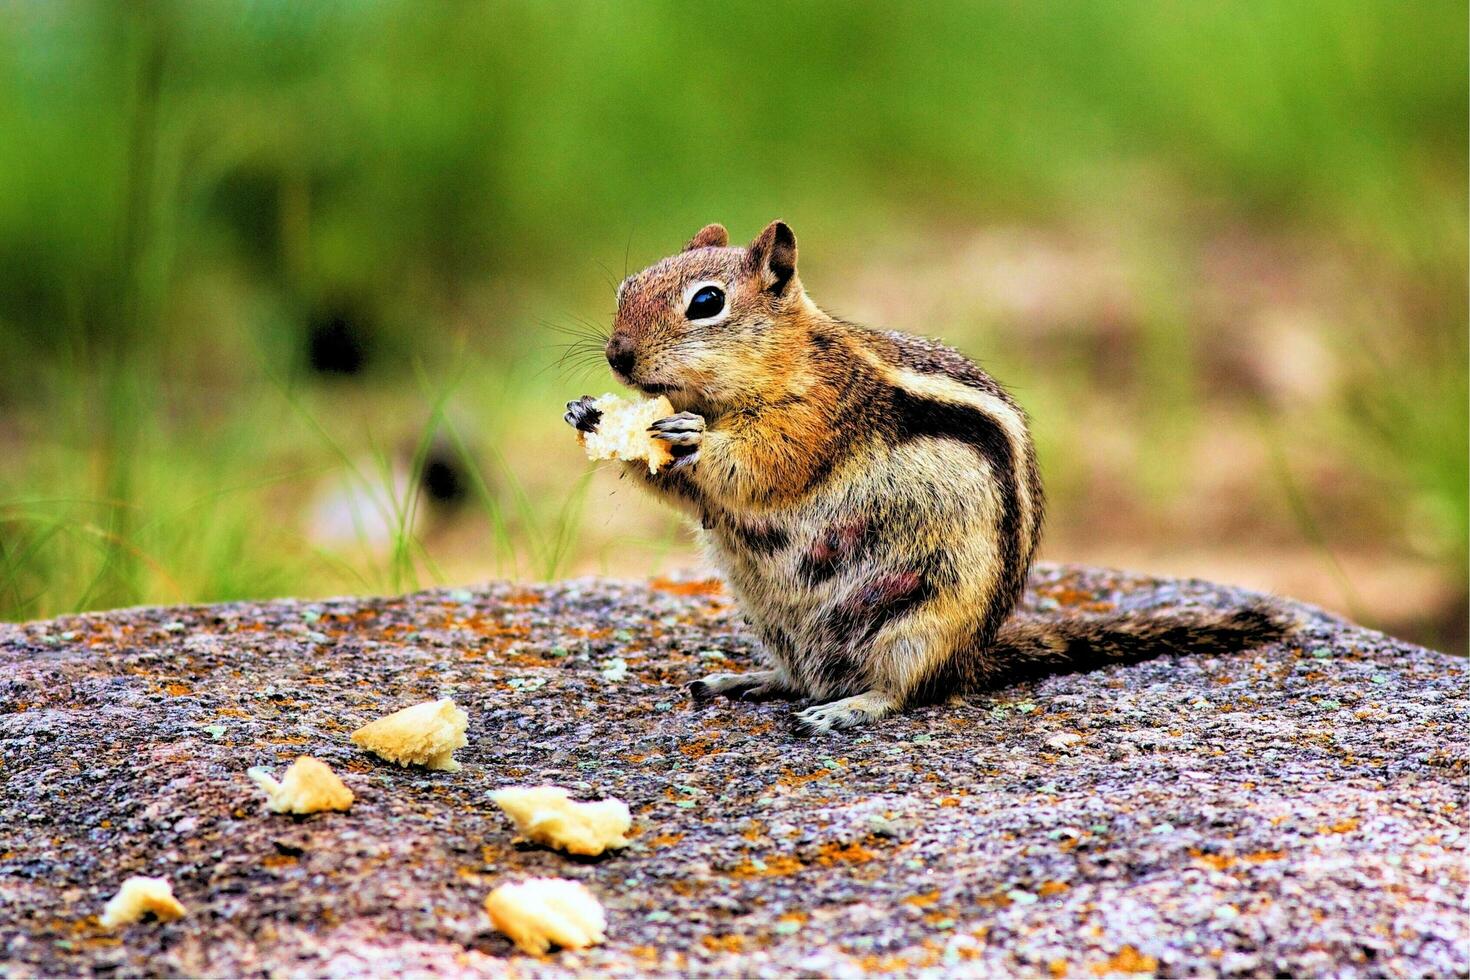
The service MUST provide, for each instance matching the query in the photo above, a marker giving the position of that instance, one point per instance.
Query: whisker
(596, 329)
(573, 364)
(576, 345)
(607, 271)
(578, 322)
(580, 360)
(581, 331)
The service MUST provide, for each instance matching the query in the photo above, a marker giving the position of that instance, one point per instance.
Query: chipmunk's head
(712, 326)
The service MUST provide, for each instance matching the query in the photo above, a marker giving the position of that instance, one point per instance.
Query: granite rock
(1298, 809)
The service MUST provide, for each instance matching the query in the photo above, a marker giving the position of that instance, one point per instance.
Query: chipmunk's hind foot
(860, 709)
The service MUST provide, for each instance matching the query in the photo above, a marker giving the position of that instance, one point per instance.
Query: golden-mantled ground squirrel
(871, 497)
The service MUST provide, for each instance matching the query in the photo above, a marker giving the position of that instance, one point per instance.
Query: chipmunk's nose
(620, 354)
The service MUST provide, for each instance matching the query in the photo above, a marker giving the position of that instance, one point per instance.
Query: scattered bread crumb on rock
(622, 432)
(548, 816)
(308, 786)
(422, 735)
(536, 913)
(138, 896)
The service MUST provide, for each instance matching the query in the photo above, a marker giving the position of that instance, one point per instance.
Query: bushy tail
(1031, 646)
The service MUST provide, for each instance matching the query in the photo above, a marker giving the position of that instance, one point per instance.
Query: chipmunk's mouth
(650, 388)
(682, 397)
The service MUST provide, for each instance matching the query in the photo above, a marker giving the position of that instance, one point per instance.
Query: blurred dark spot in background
(415, 495)
(338, 340)
(445, 478)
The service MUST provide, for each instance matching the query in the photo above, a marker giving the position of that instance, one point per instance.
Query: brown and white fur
(871, 497)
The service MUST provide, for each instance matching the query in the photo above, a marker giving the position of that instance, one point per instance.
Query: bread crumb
(308, 786)
(547, 815)
(622, 432)
(425, 735)
(138, 896)
(542, 911)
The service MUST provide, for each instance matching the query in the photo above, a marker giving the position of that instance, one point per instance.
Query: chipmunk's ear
(774, 255)
(710, 236)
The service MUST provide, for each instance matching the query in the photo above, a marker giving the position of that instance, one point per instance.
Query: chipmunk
(870, 497)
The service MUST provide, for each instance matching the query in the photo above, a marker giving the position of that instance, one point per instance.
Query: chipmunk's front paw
(581, 415)
(683, 433)
(758, 685)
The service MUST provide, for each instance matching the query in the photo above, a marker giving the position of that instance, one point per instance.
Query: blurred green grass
(184, 187)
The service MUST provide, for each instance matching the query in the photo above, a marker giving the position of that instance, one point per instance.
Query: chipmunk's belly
(799, 598)
(784, 610)
(828, 583)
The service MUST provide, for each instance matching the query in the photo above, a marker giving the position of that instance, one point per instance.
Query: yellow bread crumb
(622, 432)
(542, 911)
(307, 787)
(425, 735)
(547, 815)
(138, 896)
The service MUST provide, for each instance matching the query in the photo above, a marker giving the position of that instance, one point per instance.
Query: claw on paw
(846, 713)
(581, 416)
(684, 429)
(758, 685)
(682, 434)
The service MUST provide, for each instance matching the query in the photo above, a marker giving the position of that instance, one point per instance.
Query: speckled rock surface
(1298, 809)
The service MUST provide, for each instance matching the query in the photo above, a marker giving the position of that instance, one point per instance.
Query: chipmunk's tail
(1031, 646)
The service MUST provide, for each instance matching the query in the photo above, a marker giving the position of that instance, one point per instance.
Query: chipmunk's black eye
(708, 302)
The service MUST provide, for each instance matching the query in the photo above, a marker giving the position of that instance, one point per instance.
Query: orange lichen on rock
(700, 747)
(792, 779)
(1261, 857)
(773, 867)
(1128, 960)
(724, 944)
(704, 586)
(833, 853)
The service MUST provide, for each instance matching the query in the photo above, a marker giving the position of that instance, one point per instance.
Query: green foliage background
(183, 184)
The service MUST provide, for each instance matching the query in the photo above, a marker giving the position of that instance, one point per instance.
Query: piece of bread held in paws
(622, 431)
